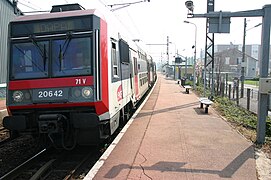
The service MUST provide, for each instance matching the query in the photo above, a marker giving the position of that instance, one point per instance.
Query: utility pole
(195, 54)
(167, 50)
(210, 45)
(264, 88)
(243, 59)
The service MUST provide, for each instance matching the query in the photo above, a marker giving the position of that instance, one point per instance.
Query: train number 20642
(49, 94)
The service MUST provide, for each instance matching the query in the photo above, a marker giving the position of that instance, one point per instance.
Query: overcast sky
(153, 21)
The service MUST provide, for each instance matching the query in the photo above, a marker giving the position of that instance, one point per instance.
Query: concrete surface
(172, 138)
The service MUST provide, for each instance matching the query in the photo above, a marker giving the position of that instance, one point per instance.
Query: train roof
(56, 15)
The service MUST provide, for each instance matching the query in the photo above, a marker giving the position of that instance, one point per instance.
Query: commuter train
(74, 76)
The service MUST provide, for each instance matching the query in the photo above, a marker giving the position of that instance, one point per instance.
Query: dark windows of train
(72, 56)
(124, 51)
(114, 59)
(29, 60)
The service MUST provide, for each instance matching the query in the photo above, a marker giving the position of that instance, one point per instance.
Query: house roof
(237, 51)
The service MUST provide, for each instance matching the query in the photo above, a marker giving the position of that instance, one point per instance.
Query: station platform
(2, 104)
(172, 138)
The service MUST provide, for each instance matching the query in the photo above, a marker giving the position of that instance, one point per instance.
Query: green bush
(239, 115)
(200, 90)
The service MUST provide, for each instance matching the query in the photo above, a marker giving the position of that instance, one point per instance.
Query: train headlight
(27, 96)
(77, 93)
(87, 92)
(18, 96)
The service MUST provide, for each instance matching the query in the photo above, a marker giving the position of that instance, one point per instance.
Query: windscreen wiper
(67, 42)
(60, 57)
(65, 46)
(41, 52)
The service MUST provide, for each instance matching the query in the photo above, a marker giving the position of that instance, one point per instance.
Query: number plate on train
(50, 95)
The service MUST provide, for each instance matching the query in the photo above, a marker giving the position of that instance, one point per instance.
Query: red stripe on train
(51, 83)
(103, 106)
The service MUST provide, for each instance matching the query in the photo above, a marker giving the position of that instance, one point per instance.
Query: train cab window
(114, 60)
(29, 60)
(72, 57)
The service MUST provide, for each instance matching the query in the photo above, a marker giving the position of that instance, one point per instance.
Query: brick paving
(172, 138)
(2, 104)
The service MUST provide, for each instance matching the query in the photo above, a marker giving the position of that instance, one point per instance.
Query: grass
(252, 82)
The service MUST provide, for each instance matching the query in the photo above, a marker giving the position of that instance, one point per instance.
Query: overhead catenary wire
(26, 5)
(29, 4)
(133, 23)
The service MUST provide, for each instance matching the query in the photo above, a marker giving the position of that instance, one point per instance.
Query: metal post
(226, 83)
(167, 50)
(243, 59)
(233, 92)
(213, 66)
(264, 63)
(185, 71)
(204, 73)
(229, 91)
(248, 99)
(195, 54)
(195, 58)
(237, 93)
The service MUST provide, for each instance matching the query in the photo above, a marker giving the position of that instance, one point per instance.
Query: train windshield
(68, 56)
(29, 60)
(71, 56)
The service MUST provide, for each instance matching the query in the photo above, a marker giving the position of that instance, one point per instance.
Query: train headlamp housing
(18, 96)
(87, 92)
(83, 93)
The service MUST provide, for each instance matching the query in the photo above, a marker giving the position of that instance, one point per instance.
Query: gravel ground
(16, 152)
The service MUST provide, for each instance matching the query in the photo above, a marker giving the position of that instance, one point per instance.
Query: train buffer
(205, 101)
(187, 88)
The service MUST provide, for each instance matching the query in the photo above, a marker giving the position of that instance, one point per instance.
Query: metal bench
(205, 101)
(187, 88)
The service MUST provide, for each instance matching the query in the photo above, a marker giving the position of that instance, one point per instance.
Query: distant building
(8, 11)
(252, 50)
(230, 61)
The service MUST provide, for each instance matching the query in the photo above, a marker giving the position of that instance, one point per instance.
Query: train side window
(114, 59)
(124, 51)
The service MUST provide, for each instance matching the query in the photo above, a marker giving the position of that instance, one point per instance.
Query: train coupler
(51, 123)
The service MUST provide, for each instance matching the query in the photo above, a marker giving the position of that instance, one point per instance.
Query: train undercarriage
(66, 128)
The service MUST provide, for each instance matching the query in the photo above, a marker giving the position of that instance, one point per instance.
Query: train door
(125, 70)
(115, 89)
(136, 79)
(149, 71)
(133, 55)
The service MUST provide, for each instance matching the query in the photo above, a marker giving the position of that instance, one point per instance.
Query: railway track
(52, 164)
(56, 164)
(4, 136)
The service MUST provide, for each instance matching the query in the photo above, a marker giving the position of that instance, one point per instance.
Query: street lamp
(195, 53)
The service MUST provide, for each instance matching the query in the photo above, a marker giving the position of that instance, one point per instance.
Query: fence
(232, 90)
(3, 90)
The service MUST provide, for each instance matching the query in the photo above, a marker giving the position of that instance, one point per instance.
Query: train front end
(58, 77)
